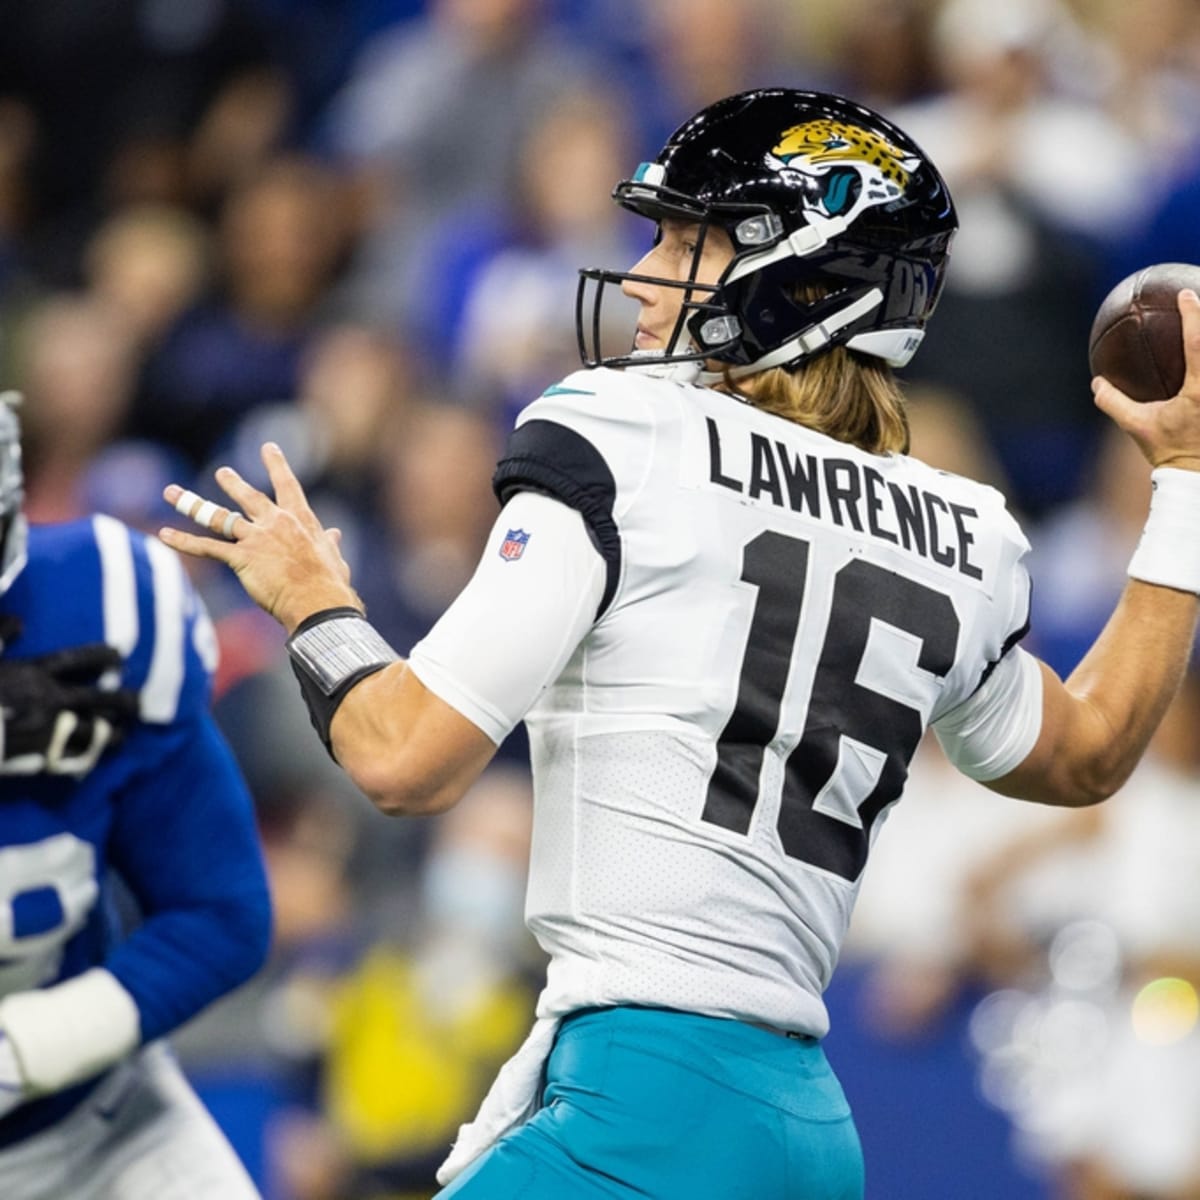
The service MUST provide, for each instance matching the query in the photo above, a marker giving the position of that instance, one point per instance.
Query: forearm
(1134, 669)
(185, 842)
(179, 962)
(407, 750)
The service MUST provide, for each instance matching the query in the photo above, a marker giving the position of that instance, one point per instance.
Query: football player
(92, 1106)
(727, 603)
(54, 715)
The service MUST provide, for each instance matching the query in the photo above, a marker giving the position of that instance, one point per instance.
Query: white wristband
(1169, 552)
(68, 1033)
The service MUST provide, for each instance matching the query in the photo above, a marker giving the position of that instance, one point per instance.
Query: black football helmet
(812, 189)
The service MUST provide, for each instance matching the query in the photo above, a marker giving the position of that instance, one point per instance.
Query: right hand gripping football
(55, 718)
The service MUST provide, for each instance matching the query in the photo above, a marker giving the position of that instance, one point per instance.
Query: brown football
(1136, 340)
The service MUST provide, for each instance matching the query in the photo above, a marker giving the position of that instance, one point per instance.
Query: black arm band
(330, 652)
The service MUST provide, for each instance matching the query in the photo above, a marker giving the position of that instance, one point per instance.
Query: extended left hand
(289, 564)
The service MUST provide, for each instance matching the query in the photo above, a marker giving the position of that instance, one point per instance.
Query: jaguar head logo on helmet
(848, 167)
(840, 227)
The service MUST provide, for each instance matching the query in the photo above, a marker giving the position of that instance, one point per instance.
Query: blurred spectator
(697, 51)
(236, 136)
(315, 42)
(1093, 1045)
(355, 391)
(499, 298)
(126, 479)
(1169, 233)
(945, 432)
(19, 284)
(1080, 552)
(1040, 180)
(439, 507)
(1150, 84)
(432, 119)
(254, 1057)
(883, 51)
(415, 1033)
(115, 90)
(1147, 76)
(282, 239)
(17, 131)
(343, 1070)
(77, 361)
(148, 262)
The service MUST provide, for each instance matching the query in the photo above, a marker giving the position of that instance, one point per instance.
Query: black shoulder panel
(544, 456)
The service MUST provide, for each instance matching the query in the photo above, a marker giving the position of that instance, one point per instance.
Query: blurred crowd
(353, 226)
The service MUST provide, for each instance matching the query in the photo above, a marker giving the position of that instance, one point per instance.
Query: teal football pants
(664, 1105)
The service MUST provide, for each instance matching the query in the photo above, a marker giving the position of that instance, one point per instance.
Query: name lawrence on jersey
(852, 494)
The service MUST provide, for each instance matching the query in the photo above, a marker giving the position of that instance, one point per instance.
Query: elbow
(400, 801)
(1107, 787)
(245, 931)
(1068, 784)
(1088, 796)
(397, 788)
(255, 932)
(1099, 782)
(1091, 758)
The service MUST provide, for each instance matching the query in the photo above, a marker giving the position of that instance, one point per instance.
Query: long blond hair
(840, 393)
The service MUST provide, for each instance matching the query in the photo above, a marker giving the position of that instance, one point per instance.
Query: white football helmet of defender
(13, 530)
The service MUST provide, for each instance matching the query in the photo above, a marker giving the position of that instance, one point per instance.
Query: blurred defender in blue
(92, 1105)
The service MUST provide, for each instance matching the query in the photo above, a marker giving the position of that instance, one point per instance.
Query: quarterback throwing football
(728, 604)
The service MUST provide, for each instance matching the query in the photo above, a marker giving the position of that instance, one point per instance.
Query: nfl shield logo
(514, 544)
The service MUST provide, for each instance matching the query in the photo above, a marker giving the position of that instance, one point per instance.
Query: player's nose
(639, 289)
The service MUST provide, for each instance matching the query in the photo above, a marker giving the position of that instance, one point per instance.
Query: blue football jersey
(166, 810)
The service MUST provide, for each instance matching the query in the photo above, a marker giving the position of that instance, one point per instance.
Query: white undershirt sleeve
(510, 632)
(994, 730)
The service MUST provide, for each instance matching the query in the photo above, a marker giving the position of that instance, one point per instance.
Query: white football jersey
(781, 617)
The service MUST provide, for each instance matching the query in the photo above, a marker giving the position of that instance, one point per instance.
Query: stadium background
(353, 226)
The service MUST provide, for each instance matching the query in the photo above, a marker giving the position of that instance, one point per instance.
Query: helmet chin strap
(677, 372)
(805, 343)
